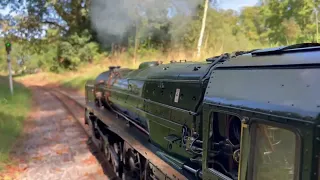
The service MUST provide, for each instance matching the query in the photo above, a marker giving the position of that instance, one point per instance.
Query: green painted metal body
(264, 110)
(280, 91)
(162, 99)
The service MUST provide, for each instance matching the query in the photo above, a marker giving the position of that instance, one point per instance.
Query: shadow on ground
(53, 144)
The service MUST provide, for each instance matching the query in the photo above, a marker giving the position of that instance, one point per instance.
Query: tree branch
(55, 24)
(59, 9)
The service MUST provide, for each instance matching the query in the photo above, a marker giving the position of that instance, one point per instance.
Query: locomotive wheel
(91, 128)
(113, 157)
(96, 137)
(98, 102)
(106, 149)
(147, 172)
(132, 166)
(94, 134)
(116, 163)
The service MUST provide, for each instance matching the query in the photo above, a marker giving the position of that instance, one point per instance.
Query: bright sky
(4, 11)
(236, 4)
(225, 4)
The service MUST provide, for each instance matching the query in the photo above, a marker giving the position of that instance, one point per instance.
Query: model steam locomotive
(245, 115)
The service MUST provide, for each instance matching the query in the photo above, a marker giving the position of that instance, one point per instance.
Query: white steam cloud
(115, 17)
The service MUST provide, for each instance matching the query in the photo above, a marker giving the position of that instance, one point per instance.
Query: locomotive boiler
(243, 115)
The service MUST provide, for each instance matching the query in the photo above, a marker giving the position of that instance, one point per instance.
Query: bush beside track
(13, 111)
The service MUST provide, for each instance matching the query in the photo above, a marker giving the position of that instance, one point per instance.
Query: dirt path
(53, 145)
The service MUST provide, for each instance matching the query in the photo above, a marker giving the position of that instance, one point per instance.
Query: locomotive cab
(272, 96)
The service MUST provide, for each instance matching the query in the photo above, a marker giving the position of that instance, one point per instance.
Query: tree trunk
(206, 42)
(202, 27)
(136, 44)
(317, 25)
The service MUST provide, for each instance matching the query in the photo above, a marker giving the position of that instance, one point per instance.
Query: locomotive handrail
(161, 104)
(283, 49)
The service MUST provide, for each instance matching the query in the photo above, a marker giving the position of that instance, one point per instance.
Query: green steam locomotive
(248, 115)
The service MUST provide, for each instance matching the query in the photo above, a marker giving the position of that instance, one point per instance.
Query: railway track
(72, 106)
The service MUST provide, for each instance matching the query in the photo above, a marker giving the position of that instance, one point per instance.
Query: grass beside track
(13, 111)
(78, 82)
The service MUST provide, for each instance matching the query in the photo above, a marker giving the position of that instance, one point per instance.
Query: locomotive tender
(247, 115)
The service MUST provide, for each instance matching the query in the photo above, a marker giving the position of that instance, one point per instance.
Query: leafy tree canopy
(61, 34)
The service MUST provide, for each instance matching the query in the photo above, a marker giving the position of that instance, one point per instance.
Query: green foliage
(252, 21)
(71, 40)
(288, 22)
(13, 110)
(77, 49)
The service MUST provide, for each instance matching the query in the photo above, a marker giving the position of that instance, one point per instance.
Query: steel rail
(55, 93)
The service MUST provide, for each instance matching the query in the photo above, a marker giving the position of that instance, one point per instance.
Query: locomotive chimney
(111, 68)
